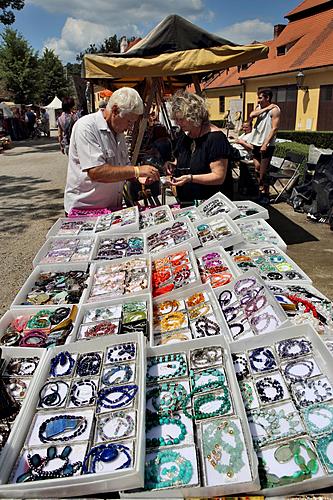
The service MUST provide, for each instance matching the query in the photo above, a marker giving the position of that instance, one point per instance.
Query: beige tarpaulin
(184, 62)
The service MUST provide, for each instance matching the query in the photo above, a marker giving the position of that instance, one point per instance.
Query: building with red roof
(299, 70)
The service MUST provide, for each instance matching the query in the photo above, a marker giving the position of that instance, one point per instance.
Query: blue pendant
(62, 428)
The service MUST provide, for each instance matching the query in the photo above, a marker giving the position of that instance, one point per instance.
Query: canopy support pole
(196, 82)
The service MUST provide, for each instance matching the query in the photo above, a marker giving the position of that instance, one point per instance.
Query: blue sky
(69, 26)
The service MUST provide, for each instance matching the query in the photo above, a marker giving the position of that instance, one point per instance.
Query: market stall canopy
(7, 112)
(54, 104)
(175, 47)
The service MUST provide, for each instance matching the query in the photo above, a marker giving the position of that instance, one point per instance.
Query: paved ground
(32, 176)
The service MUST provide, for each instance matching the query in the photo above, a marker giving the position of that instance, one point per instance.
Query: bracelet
(136, 172)
(191, 178)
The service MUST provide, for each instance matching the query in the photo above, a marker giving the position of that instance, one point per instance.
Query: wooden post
(196, 82)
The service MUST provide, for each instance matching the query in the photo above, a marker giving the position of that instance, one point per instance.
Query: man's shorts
(263, 155)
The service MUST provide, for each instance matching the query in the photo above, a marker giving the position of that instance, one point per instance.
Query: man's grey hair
(128, 101)
(189, 106)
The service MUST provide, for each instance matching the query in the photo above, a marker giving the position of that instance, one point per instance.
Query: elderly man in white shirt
(98, 162)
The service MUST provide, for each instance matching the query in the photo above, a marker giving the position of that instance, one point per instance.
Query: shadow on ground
(290, 232)
(42, 145)
(28, 196)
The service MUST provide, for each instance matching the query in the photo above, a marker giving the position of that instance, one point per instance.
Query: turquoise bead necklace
(223, 400)
(212, 373)
(216, 448)
(176, 363)
(324, 412)
(159, 421)
(167, 397)
(322, 448)
(158, 474)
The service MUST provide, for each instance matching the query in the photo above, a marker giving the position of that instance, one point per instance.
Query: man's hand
(263, 148)
(180, 181)
(170, 167)
(148, 174)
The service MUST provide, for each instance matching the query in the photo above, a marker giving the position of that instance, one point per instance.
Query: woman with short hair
(202, 152)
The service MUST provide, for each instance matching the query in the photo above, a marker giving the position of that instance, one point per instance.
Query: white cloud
(247, 31)
(87, 23)
(76, 35)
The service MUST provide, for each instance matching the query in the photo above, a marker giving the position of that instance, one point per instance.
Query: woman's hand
(180, 181)
(169, 167)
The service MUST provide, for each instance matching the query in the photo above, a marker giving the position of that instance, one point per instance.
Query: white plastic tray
(30, 282)
(82, 484)
(120, 300)
(225, 241)
(232, 268)
(212, 491)
(324, 360)
(47, 246)
(54, 230)
(120, 228)
(193, 240)
(243, 206)
(268, 235)
(102, 236)
(152, 211)
(230, 208)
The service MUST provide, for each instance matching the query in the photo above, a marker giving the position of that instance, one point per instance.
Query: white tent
(7, 112)
(51, 109)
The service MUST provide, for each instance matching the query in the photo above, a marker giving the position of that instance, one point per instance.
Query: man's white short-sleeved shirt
(93, 144)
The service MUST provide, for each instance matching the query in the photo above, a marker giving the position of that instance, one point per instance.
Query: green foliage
(19, 67)
(281, 148)
(111, 44)
(319, 139)
(7, 16)
(52, 77)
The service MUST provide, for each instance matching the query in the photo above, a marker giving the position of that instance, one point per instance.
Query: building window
(281, 51)
(222, 103)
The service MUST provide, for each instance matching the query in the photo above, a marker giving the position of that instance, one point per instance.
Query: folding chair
(291, 174)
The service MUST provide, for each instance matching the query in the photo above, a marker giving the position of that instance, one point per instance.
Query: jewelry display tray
(120, 228)
(93, 267)
(112, 302)
(233, 209)
(266, 227)
(49, 268)
(21, 352)
(102, 236)
(295, 266)
(199, 252)
(224, 241)
(193, 240)
(328, 331)
(76, 485)
(208, 491)
(164, 208)
(180, 295)
(185, 247)
(47, 246)
(54, 230)
(262, 213)
(14, 312)
(324, 359)
(280, 313)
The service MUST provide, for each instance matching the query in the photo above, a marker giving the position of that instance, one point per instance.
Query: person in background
(30, 120)
(45, 122)
(263, 138)
(202, 152)
(98, 162)
(243, 142)
(65, 124)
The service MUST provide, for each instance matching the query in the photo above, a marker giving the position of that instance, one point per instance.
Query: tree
(52, 77)
(19, 67)
(6, 15)
(111, 44)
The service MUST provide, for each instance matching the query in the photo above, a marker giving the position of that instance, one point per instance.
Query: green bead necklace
(158, 474)
(40, 319)
(213, 373)
(175, 362)
(285, 453)
(166, 398)
(223, 400)
(269, 419)
(322, 448)
(158, 421)
(324, 412)
(216, 448)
